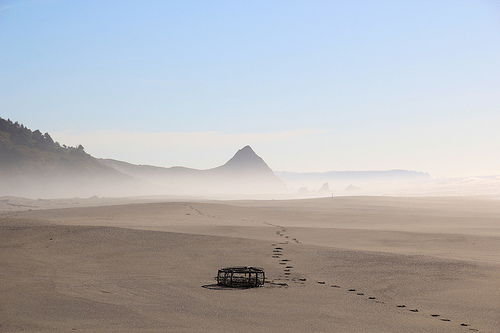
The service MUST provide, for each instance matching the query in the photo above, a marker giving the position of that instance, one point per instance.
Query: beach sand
(343, 264)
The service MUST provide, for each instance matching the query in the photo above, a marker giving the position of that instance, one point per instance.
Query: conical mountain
(247, 160)
(247, 172)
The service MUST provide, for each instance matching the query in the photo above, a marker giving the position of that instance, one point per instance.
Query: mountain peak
(246, 158)
(249, 171)
(246, 151)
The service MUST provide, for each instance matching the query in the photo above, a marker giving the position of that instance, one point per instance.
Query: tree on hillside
(48, 138)
(20, 135)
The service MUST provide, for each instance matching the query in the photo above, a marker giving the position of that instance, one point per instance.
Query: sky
(311, 86)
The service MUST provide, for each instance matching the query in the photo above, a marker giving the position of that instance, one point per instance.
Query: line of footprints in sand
(277, 253)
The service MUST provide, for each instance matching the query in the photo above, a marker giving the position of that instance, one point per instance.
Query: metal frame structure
(241, 276)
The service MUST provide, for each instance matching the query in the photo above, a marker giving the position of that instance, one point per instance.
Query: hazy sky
(310, 85)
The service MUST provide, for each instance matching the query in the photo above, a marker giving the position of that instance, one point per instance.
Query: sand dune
(356, 264)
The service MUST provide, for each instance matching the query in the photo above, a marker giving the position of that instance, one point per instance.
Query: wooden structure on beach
(241, 276)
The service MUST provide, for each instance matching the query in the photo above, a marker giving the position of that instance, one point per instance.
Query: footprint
(371, 297)
(464, 324)
(352, 290)
(335, 286)
(360, 294)
(289, 267)
(434, 315)
(444, 319)
(414, 310)
(402, 306)
(321, 282)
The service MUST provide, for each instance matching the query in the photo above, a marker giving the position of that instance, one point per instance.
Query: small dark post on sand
(241, 277)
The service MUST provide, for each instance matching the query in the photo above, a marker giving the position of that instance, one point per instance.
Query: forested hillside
(32, 163)
(23, 151)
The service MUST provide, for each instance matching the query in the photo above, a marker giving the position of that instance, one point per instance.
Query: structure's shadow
(215, 286)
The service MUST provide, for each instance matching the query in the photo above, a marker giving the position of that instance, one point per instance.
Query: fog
(217, 184)
(244, 174)
(430, 187)
(67, 186)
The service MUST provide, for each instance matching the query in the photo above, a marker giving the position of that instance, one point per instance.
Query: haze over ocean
(311, 85)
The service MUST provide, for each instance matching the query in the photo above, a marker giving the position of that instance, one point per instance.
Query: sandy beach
(343, 264)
